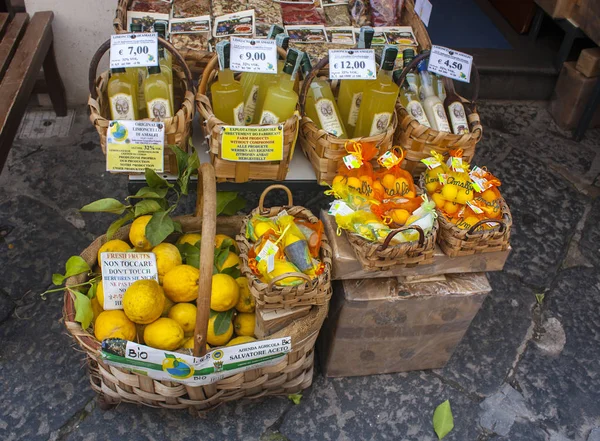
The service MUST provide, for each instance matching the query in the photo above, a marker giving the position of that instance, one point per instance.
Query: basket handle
(261, 201)
(390, 236)
(206, 206)
(485, 221)
(447, 81)
(285, 276)
(106, 46)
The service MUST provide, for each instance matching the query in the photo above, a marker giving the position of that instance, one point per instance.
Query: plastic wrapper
(301, 14)
(383, 12)
(313, 233)
(267, 13)
(457, 185)
(258, 226)
(487, 196)
(360, 13)
(356, 170)
(223, 7)
(295, 245)
(337, 15)
(435, 167)
(281, 267)
(395, 181)
(397, 213)
(190, 8)
(364, 223)
(349, 195)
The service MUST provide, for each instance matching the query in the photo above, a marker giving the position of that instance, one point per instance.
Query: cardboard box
(557, 8)
(381, 326)
(571, 95)
(589, 62)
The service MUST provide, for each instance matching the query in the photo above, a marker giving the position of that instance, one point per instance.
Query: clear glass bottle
(379, 98)
(140, 74)
(410, 101)
(122, 95)
(456, 112)
(411, 78)
(439, 88)
(156, 92)
(351, 91)
(320, 105)
(166, 64)
(227, 93)
(434, 109)
(267, 81)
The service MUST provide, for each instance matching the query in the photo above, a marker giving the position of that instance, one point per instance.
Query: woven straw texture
(270, 296)
(240, 171)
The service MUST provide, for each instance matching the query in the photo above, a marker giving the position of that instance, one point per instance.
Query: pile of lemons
(162, 314)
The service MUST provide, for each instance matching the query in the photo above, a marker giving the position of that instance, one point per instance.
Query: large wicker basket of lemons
(199, 307)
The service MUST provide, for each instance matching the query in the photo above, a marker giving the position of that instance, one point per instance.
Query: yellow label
(252, 144)
(133, 146)
(159, 108)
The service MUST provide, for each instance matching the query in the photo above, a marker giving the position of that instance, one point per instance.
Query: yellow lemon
(439, 200)
(337, 180)
(143, 301)
(114, 324)
(181, 283)
(240, 340)
(449, 192)
(189, 344)
(96, 308)
(354, 183)
(451, 207)
(246, 302)
(231, 261)
(218, 340)
(113, 246)
(100, 294)
(262, 227)
(191, 238)
(167, 258)
(137, 233)
(244, 324)
(367, 179)
(488, 196)
(168, 305)
(463, 197)
(400, 216)
(185, 315)
(378, 188)
(225, 292)
(219, 238)
(432, 186)
(164, 333)
(389, 181)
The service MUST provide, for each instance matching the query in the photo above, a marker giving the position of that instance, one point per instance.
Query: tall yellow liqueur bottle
(122, 95)
(434, 109)
(320, 105)
(250, 82)
(456, 112)
(166, 65)
(281, 100)
(351, 91)
(227, 93)
(282, 41)
(156, 93)
(379, 98)
(139, 73)
(410, 101)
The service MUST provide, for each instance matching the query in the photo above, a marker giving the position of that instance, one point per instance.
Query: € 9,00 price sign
(133, 50)
(253, 55)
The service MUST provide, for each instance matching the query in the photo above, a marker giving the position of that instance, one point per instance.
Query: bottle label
(121, 106)
(381, 121)
(458, 118)
(415, 109)
(328, 117)
(440, 117)
(159, 108)
(268, 118)
(354, 108)
(250, 105)
(238, 115)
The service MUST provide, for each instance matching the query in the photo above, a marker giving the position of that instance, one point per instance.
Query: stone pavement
(528, 369)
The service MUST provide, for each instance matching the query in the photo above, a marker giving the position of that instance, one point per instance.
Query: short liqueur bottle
(379, 98)
(227, 93)
(456, 112)
(122, 95)
(283, 41)
(434, 109)
(157, 95)
(410, 101)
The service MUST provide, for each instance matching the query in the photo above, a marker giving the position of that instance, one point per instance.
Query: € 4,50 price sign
(253, 55)
(354, 64)
(133, 50)
(450, 63)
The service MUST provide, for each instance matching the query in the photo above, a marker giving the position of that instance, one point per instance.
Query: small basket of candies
(473, 215)
(387, 221)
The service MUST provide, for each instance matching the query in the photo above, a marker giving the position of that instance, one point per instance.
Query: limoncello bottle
(456, 112)
(227, 94)
(434, 109)
(139, 73)
(410, 100)
(320, 105)
(351, 91)
(411, 78)
(379, 98)
(156, 93)
(281, 100)
(250, 82)
(283, 41)
(122, 95)
(164, 58)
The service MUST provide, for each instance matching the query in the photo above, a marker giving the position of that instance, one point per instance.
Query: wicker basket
(419, 140)
(212, 126)
(292, 374)
(177, 129)
(271, 296)
(196, 60)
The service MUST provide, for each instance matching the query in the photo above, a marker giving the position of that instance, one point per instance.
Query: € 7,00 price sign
(133, 50)
(450, 63)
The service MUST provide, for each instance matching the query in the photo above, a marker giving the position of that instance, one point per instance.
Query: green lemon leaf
(155, 181)
(223, 199)
(233, 271)
(159, 227)
(84, 313)
(177, 226)
(182, 158)
(58, 279)
(106, 205)
(193, 161)
(295, 398)
(234, 206)
(227, 244)
(443, 422)
(190, 254)
(76, 265)
(223, 321)
(221, 257)
(147, 192)
(92, 291)
(114, 227)
(212, 313)
(146, 206)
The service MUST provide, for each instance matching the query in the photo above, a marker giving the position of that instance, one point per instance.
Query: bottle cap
(306, 65)
(365, 37)
(136, 27)
(292, 62)
(160, 27)
(117, 70)
(153, 70)
(423, 64)
(407, 56)
(274, 31)
(283, 41)
(388, 57)
(223, 53)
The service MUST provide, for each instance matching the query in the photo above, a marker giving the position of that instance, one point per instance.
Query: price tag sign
(133, 50)
(134, 146)
(450, 63)
(253, 55)
(353, 64)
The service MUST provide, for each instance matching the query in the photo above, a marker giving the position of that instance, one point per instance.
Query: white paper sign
(253, 55)
(353, 64)
(133, 50)
(423, 9)
(120, 270)
(134, 146)
(450, 63)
